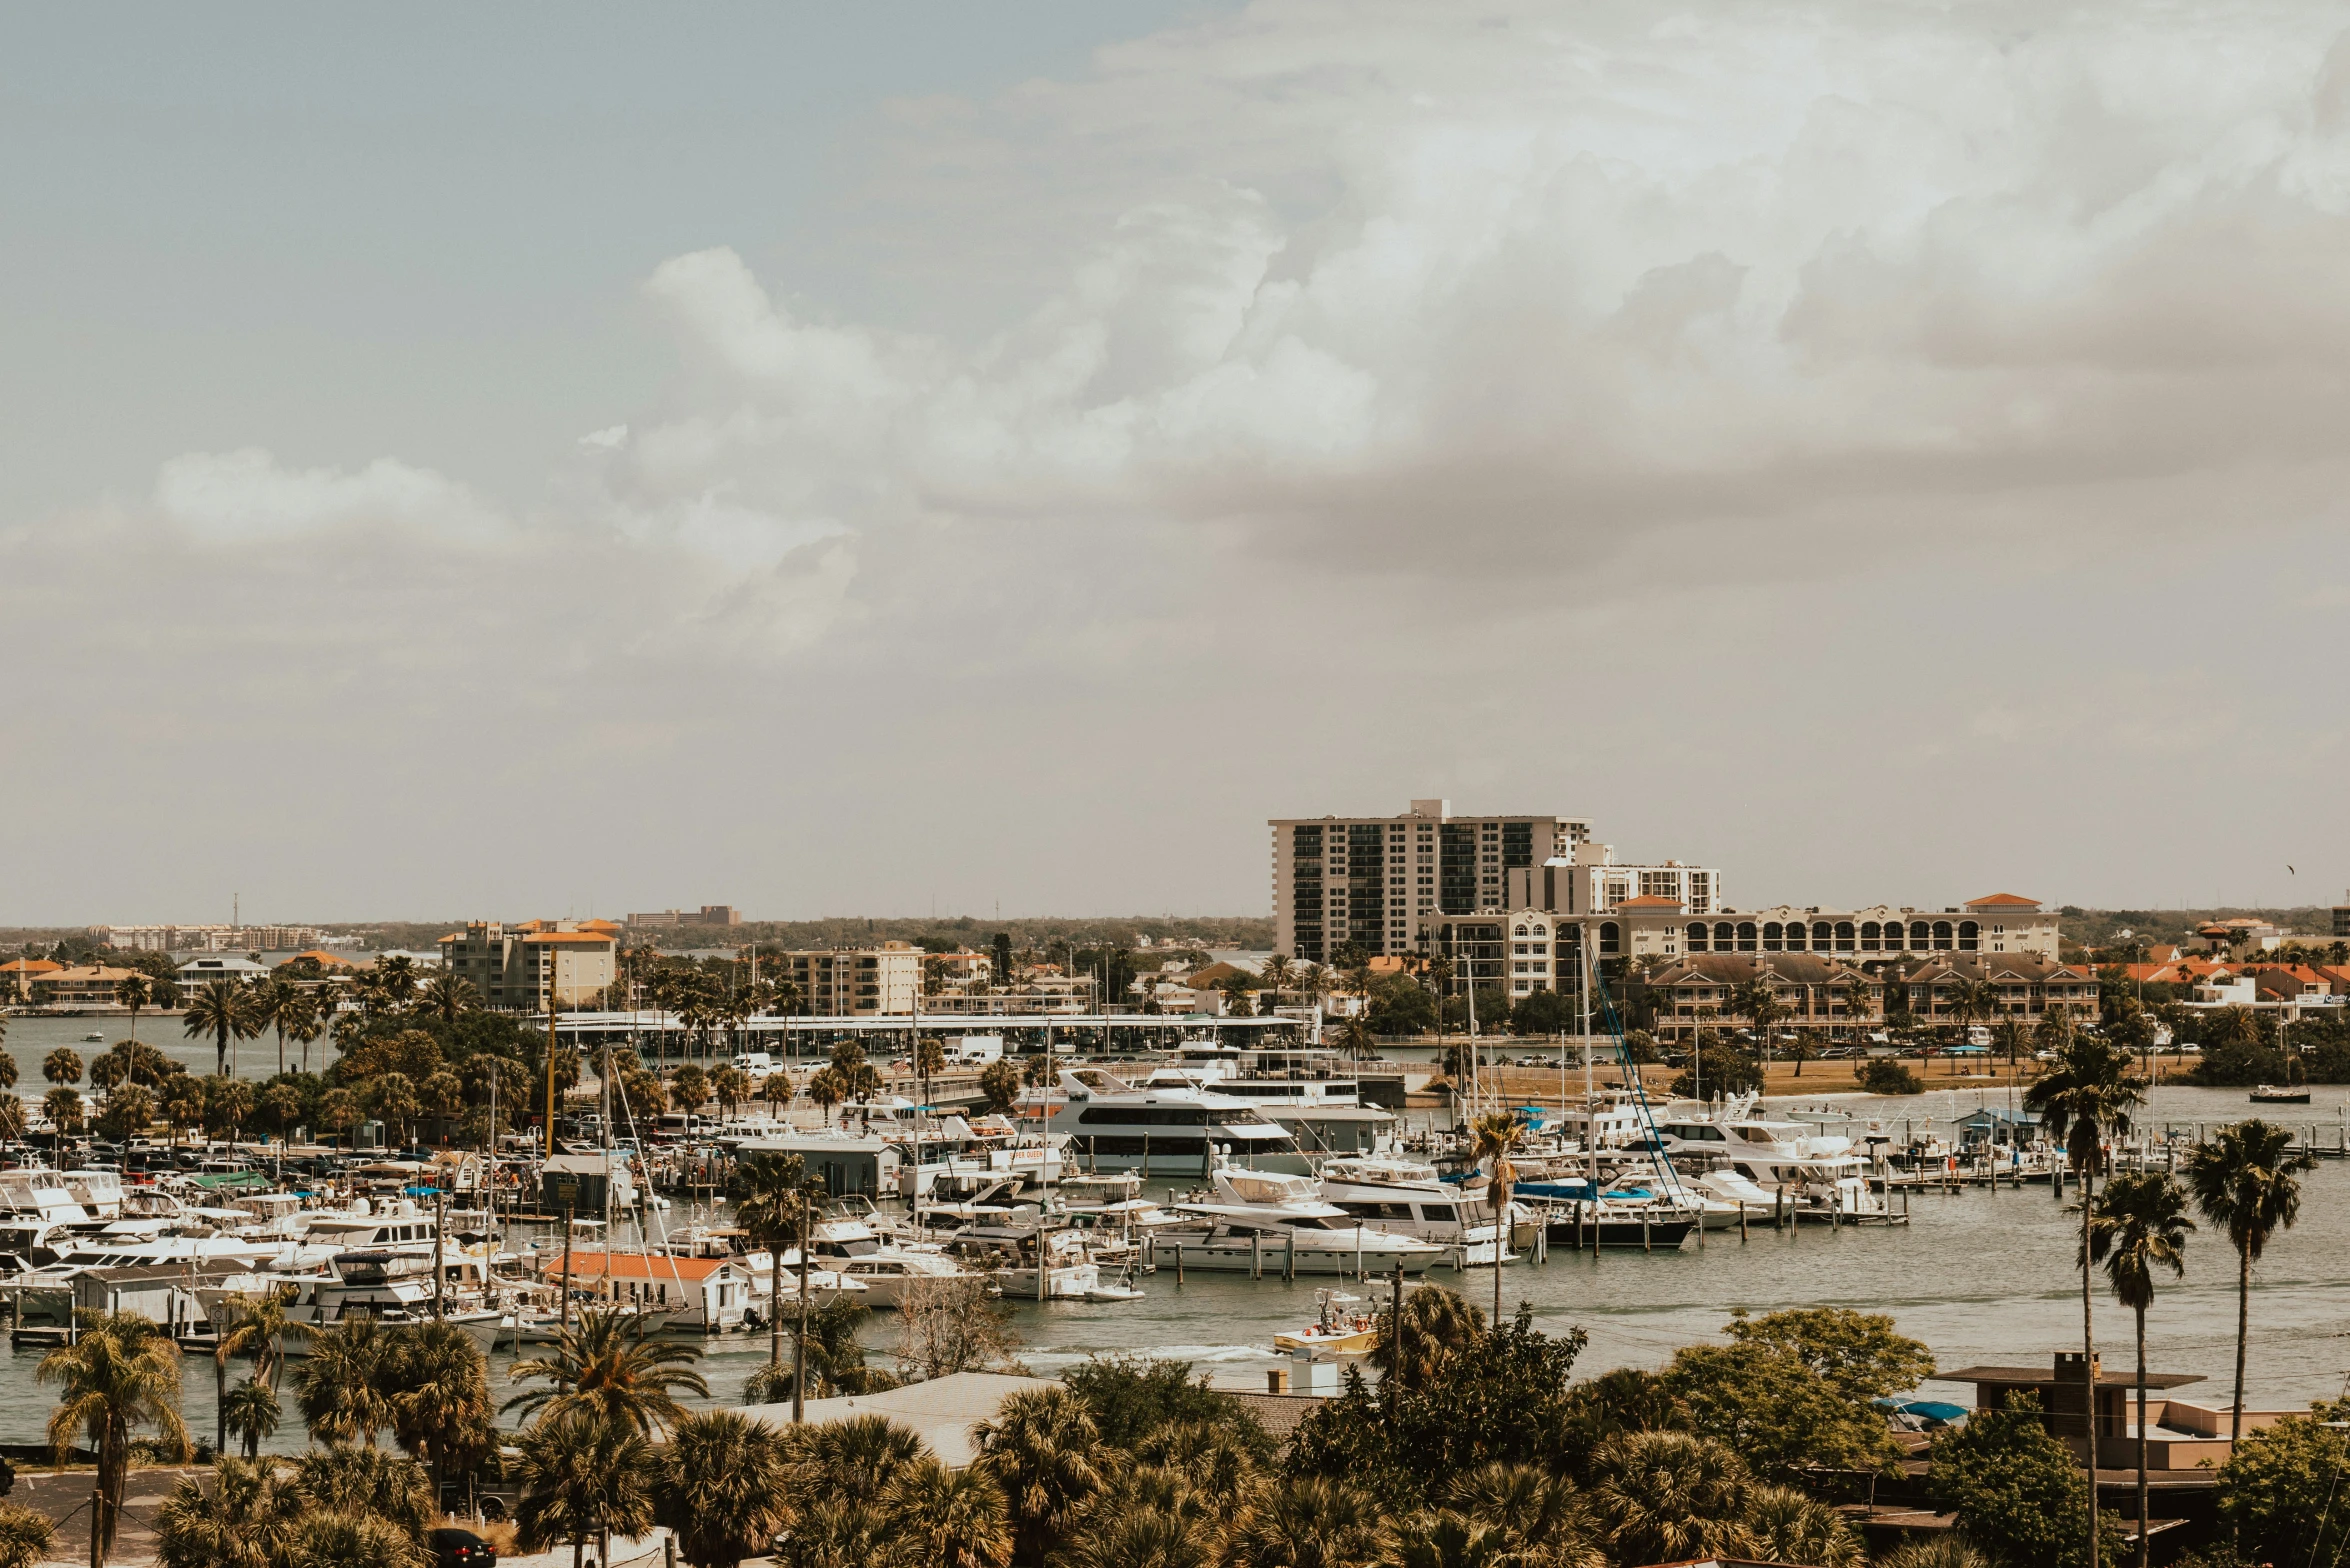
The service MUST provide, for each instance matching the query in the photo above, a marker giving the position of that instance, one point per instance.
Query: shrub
(1884, 1075)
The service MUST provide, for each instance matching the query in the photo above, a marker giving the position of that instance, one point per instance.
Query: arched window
(1942, 935)
(1843, 936)
(1745, 936)
(1774, 935)
(1696, 935)
(1821, 931)
(1522, 932)
(1920, 936)
(1869, 932)
(1970, 936)
(1723, 935)
(1610, 939)
(1539, 928)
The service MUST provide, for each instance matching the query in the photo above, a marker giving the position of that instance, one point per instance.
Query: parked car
(455, 1548)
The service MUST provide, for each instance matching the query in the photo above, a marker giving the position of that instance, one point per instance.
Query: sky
(935, 458)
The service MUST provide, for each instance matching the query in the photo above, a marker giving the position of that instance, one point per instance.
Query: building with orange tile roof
(705, 1293)
(517, 968)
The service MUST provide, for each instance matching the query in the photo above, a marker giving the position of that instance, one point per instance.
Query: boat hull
(1657, 1233)
(1231, 1257)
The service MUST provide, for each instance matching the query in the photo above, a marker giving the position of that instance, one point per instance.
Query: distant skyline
(869, 461)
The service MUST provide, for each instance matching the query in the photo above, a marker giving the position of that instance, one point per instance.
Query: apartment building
(207, 939)
(1590, 881)
(514, 968)
(1369, 881)
(670, 919)
(843, 981)
(1819, 993)
(2023, 987)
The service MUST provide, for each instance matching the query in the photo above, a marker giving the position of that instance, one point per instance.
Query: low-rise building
(516, 968)
(1821, 995)
(197, 973)
(81, 985)
(2024, 987)
(843, 981)
(709, 1294)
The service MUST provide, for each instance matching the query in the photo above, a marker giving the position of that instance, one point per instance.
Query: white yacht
(1310, 1093)
(1259, 1222)
(1408, 1197)
(386, 1286)
(1176, 1131)
(849, 1245)
(1770, 1166)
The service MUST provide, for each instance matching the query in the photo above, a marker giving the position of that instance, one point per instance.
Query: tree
(251, 1412)
(63, 1109)
(1971, 1002)
(1043, 1449)
(1438, 1324)
(1805, 1045)
(367, 1483)
(242, 1520)
(340, 1385)
(1670, 1496)
(1494, 1137)
(2140, 1227)
(1884, 1075)
(301, 1017)
(606, 1364)
(825, 1089)
(943, 1518)
(1309, 1522)
(721, 1484)
(999, 1080)
(256, 1326)
(772, 1200)
(225, 1010)
(2015, 1489)
(585, 1475)
(439, 1390)
(392, 1100)
(947, 1325)
(449, 997)
(129, 1110)
(1787, 1526)
(1719, 1069)
(689, 1088)
(62, 1066)
(183, 1104)
(1134, 1398)
(2278, 1493)
(2246, 1180)
(2086, 1093)
(1758, 1001)
(730, 1086)
(1539, 1516)
(134, 991)
(120, 1373)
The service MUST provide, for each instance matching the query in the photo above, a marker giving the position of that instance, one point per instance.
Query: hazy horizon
(934, 458)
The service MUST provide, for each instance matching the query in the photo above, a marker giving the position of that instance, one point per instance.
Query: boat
(1409, 1198)
(2280, 1094)
(1308, 1092)
(1184, 1130)
(1337, 1329)
(93, 1038)
(1260, 1222)
(1581, 1213)
(850, 1245)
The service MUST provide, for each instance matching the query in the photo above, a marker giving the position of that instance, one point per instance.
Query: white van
(758, 1064)
(972, 1050)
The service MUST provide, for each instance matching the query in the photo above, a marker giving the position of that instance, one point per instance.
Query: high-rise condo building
(1365, 881)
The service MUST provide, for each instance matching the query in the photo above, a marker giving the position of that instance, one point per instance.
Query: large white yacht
(1309, 1092)
(1409, 1198)
(849, 1245)
(1180, 1130)
(1259, 1222)
(1762, 1164)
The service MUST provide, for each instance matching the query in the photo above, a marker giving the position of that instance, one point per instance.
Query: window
(1610, 937)
(1745, 936)
(1696, 936)
(1773, 937)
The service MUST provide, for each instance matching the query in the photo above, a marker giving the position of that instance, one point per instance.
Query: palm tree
(772, 1200)
(368, 1481)
(250, 1410)
(63, 1107)
(1437, 1324)
(440, 1397)
(1788, 1526)
(62, 1066)
(1670, 1496)
(1496, 1136)
(1309, 1522)
(2086, 1093)
(721, 1482)
(223, 1009)
(273, 999)
(301, 1017)
(449, 997)
(947, 1518)
(243, 1519)
(2246, 1179)
(605, 1364)
(1044, 1450)
(120, 1373)
(1539, 1514)
(255, 1326)
(1858, 994)
(339, 1387)
(2140, 1226)
(134, 992)
(1972, 1001)
(584, 1474)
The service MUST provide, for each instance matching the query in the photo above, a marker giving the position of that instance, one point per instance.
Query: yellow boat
(1335, 1331)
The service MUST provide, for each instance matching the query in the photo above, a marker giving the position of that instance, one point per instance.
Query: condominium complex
(843, 981)
(669, 919)
(515, 967)
(207, 939)
(1367, 881)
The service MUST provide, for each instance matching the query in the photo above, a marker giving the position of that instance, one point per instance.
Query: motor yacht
(851, 1245)
(1409, 1198)
(1309, 1093)
(1112, 1125)
(1256, 1222)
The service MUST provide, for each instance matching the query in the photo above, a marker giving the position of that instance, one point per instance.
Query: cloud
(245, 497)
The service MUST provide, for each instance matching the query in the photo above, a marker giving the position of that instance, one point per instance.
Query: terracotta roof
(1649, 901)
(636, 1265)
(597, 937)
(2003, 901)
(325, 959)
(30, 966)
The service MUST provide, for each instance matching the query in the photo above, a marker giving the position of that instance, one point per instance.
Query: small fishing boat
(2280, 1094)
(1337, 1329)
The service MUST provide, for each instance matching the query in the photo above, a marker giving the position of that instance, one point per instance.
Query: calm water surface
(1977, 1276)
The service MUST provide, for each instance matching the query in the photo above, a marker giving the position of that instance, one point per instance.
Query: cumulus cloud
(246, 496)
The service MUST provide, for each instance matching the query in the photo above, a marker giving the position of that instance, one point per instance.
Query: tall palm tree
(301, 1018)
(251, 1411)
(2087, 1093)
(63, 1107)
(223, 1009)
(449, 997)
(134, 992)
(1495, 1137)
(1044, 1450)
(120, 1373)
(62, 1066)
(273, 998)
(1542, 1516)
(2140, 1227)
(249, 1325)
(605, 1363)
(2246, 1180)
(722, 1483)
(1971, 1002)
(772, 1201)
(584, 1475)
(340, 1385)
(1858, 994)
